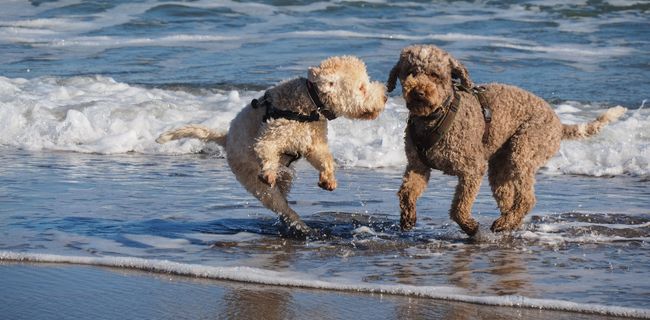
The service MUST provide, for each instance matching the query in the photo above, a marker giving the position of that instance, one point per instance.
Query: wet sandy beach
(59, 291)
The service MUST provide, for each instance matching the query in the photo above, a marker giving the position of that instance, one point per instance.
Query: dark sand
(56, 291)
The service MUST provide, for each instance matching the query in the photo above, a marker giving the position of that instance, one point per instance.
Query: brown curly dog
(465, 131)
(289, 122)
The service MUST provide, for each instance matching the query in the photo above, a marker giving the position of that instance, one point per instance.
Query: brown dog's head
(344, 87)
(426, 74)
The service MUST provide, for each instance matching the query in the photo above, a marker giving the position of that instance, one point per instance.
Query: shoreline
(107, 270)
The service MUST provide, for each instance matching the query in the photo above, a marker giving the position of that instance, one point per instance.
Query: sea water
(86, 87)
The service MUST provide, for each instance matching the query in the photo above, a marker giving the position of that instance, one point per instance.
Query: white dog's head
(345, 88)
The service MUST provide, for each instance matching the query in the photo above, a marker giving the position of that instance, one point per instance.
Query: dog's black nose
(418, 94)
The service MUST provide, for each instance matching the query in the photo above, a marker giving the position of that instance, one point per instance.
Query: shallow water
(85, 87)
(586, 241)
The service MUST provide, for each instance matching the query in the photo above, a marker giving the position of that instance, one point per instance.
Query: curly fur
(260, 153)
(523, 135)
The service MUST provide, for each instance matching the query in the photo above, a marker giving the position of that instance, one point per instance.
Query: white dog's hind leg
(274, 200)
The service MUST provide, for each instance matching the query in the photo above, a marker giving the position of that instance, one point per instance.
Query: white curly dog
(289, 122)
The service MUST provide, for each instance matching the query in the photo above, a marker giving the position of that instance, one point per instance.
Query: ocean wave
(452, 36)
(621, 148)
(269, 277)
(110, 26)
(586, 228)
(100, 115)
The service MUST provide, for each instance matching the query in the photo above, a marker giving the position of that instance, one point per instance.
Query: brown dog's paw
(327, 183)
(268, 177)
(470, 228)
(502, 224)
(407, 223)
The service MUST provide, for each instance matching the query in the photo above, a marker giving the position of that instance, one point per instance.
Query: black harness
(443, 119)
(273, 112)
(312, 91)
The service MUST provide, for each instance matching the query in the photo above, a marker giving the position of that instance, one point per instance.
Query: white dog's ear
(313, 74)
(326, 82)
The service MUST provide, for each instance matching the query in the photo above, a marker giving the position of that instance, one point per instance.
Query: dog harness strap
(275, 113)
(294, 157)
(438, 131)
(447, 119)
(312, 92)
(478, 91)
(422, 145)
(485, 108)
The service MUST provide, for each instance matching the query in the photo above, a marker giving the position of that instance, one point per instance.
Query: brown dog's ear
(458, 71)
(392, 77)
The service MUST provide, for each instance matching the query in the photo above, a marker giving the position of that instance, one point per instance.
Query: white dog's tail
(584, 130)
(193, 131)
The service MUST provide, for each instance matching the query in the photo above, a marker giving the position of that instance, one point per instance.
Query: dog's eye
(331, 83)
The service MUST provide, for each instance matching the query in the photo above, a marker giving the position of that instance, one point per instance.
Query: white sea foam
(555, 234)
(553, 238)
(158, 242)
(286, 279)
(443, 37)
(106, 41)
(622, 147)
(100, 115)
(623, 3)
(578, 53)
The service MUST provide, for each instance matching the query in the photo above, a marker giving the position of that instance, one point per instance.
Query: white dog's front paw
(327, 182)
(268, 177)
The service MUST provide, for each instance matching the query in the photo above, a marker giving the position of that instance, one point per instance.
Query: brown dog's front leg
(414, 183)
(321, 158)
(461, 206)
(416, 177)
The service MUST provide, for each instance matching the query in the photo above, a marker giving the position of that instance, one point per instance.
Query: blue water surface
(586, 241)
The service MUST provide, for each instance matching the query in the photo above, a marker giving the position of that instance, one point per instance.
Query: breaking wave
(99, 115)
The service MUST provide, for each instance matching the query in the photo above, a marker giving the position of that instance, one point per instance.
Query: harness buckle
(487, 114)
(478, 89)
(458, 86)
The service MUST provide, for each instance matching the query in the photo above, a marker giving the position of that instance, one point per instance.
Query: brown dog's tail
(584, 130)
(193, 131)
